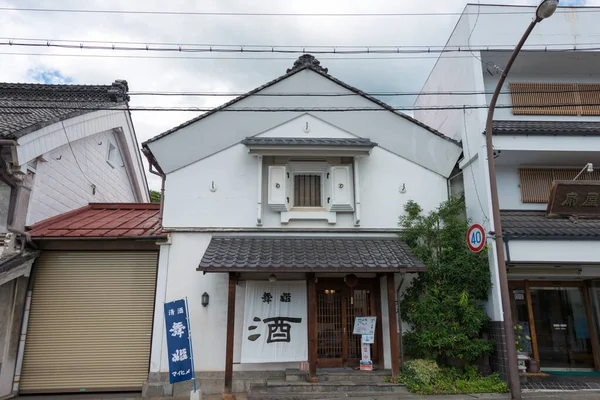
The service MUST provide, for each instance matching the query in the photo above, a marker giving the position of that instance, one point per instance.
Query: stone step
(321, 390)
(354, 376)
(296, 375)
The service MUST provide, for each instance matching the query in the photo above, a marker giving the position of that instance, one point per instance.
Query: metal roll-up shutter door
(90, 322)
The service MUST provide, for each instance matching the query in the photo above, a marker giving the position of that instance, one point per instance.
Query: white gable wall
(223, 129)
(60, 185)
(190, 203)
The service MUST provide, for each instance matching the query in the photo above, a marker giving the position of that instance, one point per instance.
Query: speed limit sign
(476, 238)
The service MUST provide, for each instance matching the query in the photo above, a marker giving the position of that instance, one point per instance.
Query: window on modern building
(555, 98)
(536, 183)
(307, 191)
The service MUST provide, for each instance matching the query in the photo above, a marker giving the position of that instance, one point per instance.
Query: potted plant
(522, 356)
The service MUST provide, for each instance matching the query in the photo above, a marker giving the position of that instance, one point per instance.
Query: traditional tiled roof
(99, 220)
(308, 254)
(305, 61)
(573, 128)
(534, 225)
(284, 141)
(22, 104)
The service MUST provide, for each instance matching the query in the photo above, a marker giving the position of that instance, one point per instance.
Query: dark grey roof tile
(573, 128)
(534, 224)
(27, 107)
(303, 254)
(284, 141)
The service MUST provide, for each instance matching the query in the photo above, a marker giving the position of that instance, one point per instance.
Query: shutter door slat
(90, 322)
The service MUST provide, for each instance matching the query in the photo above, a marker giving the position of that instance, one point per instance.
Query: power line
(229, 58)
(280, 49)
(284, 109)
(46, 40)
(265, 14)
(15, 91)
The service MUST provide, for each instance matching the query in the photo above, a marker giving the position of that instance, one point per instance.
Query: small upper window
(307, 191)
(112, 155)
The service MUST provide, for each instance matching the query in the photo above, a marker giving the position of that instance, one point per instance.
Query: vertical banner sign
(178, 342)
(275, 327)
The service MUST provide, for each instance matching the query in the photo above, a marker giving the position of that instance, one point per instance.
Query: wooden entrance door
(337, 306)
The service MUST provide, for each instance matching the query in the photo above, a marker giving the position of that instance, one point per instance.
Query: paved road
(571, 395)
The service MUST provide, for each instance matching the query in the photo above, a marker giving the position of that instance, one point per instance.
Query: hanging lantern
(351, 280)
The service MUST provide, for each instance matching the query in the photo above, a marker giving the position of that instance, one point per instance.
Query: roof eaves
(39, 125)
(222, 106)
(293, 72)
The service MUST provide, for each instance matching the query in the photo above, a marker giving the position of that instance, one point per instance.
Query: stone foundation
(210, 382)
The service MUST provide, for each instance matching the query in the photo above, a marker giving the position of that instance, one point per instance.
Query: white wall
(63, 179)
(189, 202)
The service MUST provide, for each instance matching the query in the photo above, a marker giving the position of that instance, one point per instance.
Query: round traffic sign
(476, 238)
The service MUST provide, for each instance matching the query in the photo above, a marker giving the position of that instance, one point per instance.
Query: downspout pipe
(14, 194)
(155, 169)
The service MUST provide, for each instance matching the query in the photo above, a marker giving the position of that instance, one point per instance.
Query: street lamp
(544, 10)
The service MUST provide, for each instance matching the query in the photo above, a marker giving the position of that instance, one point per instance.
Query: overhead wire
(269, 14)
(11, 108)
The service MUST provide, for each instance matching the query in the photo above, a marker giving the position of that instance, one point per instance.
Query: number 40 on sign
(476, 238)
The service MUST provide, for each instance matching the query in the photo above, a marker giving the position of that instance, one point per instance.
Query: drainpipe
(154, 164)
(400, 342)
(16, 189)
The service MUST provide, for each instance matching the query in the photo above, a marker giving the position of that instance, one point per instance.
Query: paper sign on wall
(275, 322)
(368, 339)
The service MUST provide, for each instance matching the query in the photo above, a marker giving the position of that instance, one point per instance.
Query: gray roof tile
(574, 128)
(27, 107)
(307, 254)
(284, 141)
(535, 225)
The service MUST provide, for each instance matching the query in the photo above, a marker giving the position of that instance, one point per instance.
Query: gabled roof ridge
(297, 68)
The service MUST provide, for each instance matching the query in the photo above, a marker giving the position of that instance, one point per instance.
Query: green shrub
(426, 377)
(444, 305)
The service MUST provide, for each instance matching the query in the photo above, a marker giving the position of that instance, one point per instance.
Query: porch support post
(391, 292)
(227, 390)
(312, 328)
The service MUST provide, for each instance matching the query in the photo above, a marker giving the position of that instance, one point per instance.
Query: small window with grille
(307, 190)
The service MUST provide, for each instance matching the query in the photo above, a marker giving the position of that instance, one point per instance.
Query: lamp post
(544, 10)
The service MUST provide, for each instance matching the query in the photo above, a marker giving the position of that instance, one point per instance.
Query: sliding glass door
(562, 327)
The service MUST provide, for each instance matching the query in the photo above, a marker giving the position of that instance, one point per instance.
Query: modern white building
(546, 129)
(290, 214)
(61, 147)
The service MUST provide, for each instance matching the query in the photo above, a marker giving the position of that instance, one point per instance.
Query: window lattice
(555, 98)
(307, 191)
(536, 183)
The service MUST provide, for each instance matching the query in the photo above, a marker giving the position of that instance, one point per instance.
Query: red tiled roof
(103, 220)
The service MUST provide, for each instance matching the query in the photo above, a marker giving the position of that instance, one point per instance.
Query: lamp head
(273, 278)
(590, 167)
(546, 9)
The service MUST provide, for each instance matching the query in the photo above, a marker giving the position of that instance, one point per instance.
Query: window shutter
(341, 189)
(278, 188)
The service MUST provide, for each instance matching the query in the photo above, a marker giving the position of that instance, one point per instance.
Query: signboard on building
(574, 198)
(178, 342)
(476, 238)
(275, 322)
(364, 325)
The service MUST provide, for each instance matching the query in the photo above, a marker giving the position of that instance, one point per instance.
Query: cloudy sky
(233, 72)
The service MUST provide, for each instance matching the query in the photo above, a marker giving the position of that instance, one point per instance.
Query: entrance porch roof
(308, 254)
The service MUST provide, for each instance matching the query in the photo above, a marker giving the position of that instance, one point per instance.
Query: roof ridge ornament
(307, 60)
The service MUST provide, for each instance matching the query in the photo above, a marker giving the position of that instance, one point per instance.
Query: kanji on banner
(178, 342)
(275, 326)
